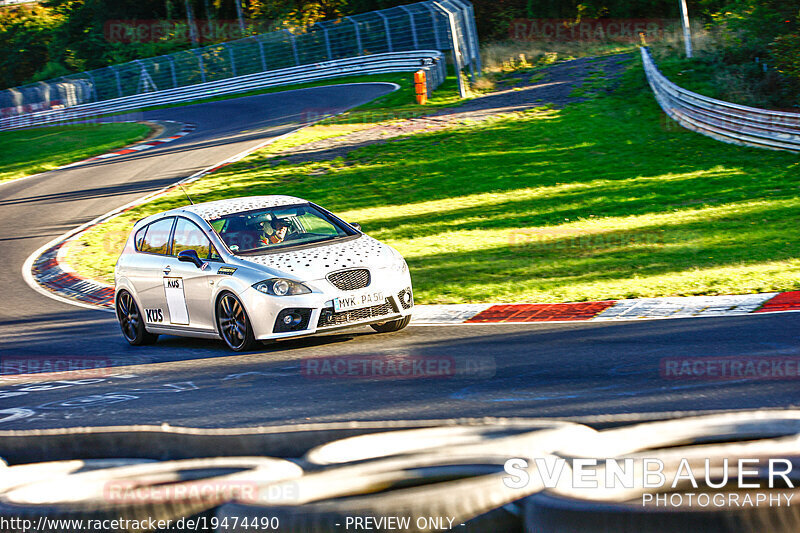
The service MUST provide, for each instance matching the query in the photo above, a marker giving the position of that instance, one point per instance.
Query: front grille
(350, 280)
(329, 318)
(401, 297)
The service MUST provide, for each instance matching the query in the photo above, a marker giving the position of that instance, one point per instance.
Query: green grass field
(67, 144)
(62, 145)
(603, 199)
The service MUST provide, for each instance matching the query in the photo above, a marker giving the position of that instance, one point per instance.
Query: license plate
(358, 300)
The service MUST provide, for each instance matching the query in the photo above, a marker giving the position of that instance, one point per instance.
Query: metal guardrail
(432, 61)
(444, 25)
(724, 121)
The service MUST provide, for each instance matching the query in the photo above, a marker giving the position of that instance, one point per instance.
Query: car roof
(220, 208)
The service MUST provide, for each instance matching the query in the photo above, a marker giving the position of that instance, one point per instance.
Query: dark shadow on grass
(563, 149)
(613, 255)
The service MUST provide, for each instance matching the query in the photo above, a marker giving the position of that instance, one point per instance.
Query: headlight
(399, 264)
(281, 287)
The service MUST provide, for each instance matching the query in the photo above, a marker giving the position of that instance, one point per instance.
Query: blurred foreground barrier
(471, 475)
(723, 121)
(139, 492)
(430, 61)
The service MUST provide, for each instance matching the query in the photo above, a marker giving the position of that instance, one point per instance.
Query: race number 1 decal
(176, 301)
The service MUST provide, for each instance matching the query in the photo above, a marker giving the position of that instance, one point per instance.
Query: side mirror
(356, 225)
(190, 256)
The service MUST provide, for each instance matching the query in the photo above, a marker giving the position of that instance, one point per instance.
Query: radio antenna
(186, 193)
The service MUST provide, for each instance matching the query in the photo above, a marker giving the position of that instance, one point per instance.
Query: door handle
(167, 269)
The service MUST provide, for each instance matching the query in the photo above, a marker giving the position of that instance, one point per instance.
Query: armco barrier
(431, 61)
(723, 121)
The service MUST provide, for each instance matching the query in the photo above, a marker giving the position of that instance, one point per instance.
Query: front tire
(131, 322)
(392, 325)
(233, 324)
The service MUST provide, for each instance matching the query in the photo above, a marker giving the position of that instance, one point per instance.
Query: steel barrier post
(233, 59)
(92, 90)
(466, 35)
(172, 68)
(462, 90)
(201, 65)
(435, 20)
(327, 41)
(119, 82)
(413, 26)
(388, 30)
(294, 47)
(358, 35)
(261, 53)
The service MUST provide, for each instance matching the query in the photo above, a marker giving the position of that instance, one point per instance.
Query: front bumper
(316, 309)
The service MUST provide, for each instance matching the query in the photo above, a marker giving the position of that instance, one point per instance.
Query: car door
(187, 287)
(145, 273)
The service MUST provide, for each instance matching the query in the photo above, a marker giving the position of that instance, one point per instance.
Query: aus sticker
(154, 315)
(228, 271)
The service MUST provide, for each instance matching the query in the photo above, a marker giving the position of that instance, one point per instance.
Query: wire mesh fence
(444, 25)
(430, 61)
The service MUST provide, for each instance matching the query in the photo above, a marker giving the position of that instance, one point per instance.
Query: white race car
(256, 269)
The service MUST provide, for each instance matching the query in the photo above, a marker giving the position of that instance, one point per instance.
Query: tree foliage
(25, 38)
(762, 38)
(62, 36)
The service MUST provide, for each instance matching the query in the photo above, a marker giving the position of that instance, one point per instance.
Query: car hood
(309, 264)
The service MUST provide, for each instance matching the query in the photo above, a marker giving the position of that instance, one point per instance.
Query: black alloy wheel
(233, 324)
(131, 322)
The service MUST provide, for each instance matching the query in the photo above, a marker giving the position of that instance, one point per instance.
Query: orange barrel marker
(421, 87)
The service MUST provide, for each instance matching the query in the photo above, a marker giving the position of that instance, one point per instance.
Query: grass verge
(601, 200)
(62, 145)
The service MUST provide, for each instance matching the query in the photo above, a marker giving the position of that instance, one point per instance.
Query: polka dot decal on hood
(316, 262)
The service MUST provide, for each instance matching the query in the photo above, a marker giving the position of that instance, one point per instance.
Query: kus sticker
(228, 271)
(154, 315)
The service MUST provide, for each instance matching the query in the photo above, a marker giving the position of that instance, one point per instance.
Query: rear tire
(233, 324)
(393, 325)
(131, 322)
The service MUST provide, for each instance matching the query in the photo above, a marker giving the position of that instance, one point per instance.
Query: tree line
(58, 37)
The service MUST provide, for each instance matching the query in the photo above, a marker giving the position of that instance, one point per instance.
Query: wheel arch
(129, 289)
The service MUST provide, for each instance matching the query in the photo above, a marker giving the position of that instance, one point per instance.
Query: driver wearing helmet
(278, 234)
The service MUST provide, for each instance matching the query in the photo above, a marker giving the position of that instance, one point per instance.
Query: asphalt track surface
(562, 370)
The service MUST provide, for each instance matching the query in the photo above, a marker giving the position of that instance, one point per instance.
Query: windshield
(278, 228)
